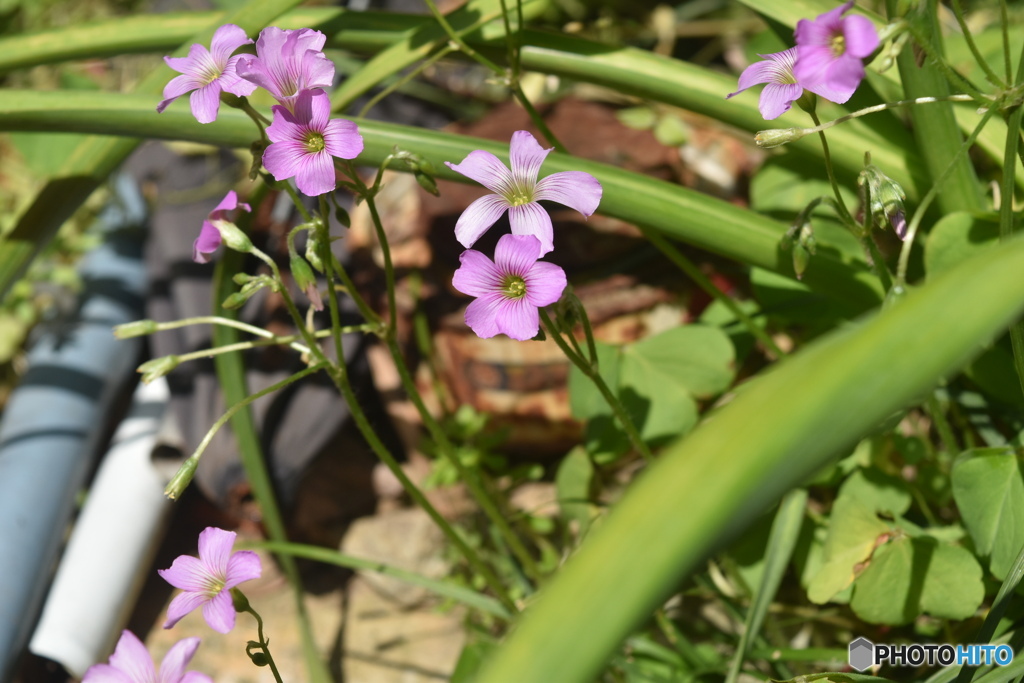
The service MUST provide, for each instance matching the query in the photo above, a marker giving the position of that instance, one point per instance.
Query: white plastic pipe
(112, 544)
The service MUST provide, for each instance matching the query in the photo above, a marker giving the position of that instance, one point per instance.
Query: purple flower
(131, 663)
(782, 89)
(518, 191)
(209, 236)
(305, 142)
(205, 73)
(288, 62)
(208, 580)
(509, 289)
(830, 50)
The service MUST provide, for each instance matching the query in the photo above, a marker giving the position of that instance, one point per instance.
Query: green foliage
(989, 491)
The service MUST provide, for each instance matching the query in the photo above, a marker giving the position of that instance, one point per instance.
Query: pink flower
(782, 89)
(830, 51)
(288, 62)
(304, 143)
(131, 663)
(518, 191)
(510, 289)
(208, 580)
(205, 73)
(210, 236)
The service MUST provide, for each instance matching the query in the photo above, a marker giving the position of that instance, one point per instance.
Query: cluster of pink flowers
(511, 288)
(206, 583)
(827, 60)
(292, 67)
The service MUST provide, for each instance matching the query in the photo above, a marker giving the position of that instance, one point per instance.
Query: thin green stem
(1007, 63)
(243, 403)
(244, 346)
(214, 320)
(588, 330)
(942, 425)
(955, 79)
(457, 39)
(958, 12)
(423, 66)
(591, 372)
(389, 267)
(933, 192)
(694, 273)
(265, 645)
(537, 119)
(844, 213)
(510, 46)
(874, 109)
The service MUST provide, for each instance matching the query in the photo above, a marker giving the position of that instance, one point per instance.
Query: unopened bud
(776, 137)
(182, 478)
(236, 300)
(427, 183)
(135, 329)
(886, 199)
(306, 281)
(232, 237)
(158, 367)
(240, 603)
(313, 244)
(257, 148)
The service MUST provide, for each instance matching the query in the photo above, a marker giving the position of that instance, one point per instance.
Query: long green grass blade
(811, 408)
(677, 211)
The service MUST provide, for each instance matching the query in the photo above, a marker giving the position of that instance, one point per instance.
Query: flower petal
(526, 156)
(196, 677)
(187, 573)
(777, 99)
(478, 216)
(518, 319)
(841, 79)
(226, 40)
(284, 126)
(575, 189)
(860, 36)
(243, 566)
(285, 159)
(208, 241)
(545, 283)
(215, 549)
(316, 71)
(516, 254)
(481, 313)
(177, 658)
(182, 604)
(256, 72)
(316, 175)
(206, 103)
(104, 673)
(342, 139)
(231, 82)
(477, 276)
(219, 613)
(532, 219)
(486, 169)
(132, 657)
(178, 86)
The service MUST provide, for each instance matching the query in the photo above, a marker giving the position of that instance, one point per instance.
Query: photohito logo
(864, 654)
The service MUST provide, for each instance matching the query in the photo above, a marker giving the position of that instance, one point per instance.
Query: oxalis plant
(862, 482)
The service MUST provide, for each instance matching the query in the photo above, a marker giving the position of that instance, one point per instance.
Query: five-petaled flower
(131, 663)
(288, 62)
(205, 73)
(782, 88)
(518, 191)
(208, 579)
(830, 51)
(510, 289)
(305, 142)
(210, 235)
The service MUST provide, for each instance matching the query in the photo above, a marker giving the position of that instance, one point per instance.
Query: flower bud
(182, 478)
(886, 199)
(158, 367)
(777, 137)
(135, 329)
(236, 300)
(306, 281)
(240, 602)
(232, 237)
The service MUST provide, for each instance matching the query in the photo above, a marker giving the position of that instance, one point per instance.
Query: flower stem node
(158, 367)
(776, 137)
(138, 328)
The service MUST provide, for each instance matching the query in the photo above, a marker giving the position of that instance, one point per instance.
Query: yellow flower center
(513, 287)
(314, 142)
(838, 45)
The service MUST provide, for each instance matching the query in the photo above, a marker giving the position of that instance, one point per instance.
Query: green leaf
(957, 237)
(573, 483)
(637, 118)
(686, 502)
(853, 534)
(953, 587)
(585, 400)
(698, 358)
(887, 591)
(989, 491)
(880, 492)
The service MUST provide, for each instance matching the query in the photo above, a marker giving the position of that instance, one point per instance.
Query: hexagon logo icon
(862, 654)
